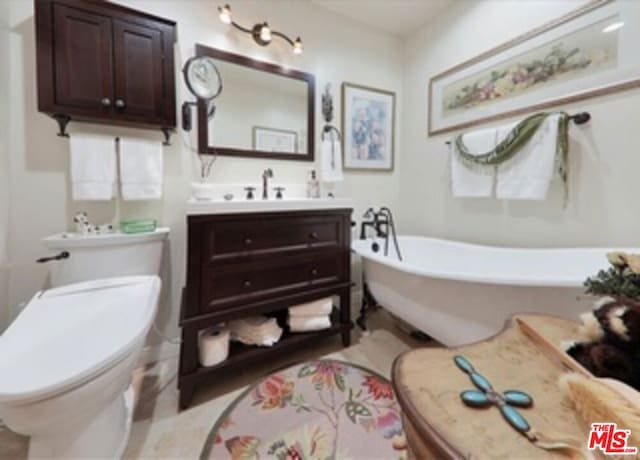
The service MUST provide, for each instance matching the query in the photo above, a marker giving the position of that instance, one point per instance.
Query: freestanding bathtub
(460, 293)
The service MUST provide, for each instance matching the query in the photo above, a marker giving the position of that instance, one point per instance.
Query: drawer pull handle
(246, 284)
(313, 235)
(248, 241)
(314, 271)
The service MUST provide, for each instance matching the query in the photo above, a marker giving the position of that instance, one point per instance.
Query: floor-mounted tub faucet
(266, 175)
(382, 222)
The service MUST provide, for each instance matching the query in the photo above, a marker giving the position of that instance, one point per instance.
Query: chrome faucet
(266, 175)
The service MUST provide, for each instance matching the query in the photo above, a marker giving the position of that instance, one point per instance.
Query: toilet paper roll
(214, 346)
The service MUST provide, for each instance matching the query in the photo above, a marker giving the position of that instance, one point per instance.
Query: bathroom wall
(336, 50)
(4, 165)
(604, 158)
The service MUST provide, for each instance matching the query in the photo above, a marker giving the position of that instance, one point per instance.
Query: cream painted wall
(336, 50)
(4, 165)
(604, 155)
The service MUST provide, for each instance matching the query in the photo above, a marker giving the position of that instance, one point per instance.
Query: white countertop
(202, 207)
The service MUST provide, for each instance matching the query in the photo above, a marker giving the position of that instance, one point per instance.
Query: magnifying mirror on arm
(203, 80)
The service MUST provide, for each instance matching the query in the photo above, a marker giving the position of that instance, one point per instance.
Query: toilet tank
(104, 256)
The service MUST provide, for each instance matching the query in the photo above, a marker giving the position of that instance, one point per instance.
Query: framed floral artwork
(589, 52)
(368, 120)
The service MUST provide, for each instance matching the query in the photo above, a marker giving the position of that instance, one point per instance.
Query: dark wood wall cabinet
(101, 62)
(240, 265)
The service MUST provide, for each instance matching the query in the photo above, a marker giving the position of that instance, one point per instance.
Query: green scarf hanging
(518, 137)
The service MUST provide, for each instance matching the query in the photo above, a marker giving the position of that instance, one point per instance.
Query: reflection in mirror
(259, 111)
(263, 110)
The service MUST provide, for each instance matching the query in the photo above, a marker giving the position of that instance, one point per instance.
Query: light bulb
(225, 14)
(297, 46)
(265, 33)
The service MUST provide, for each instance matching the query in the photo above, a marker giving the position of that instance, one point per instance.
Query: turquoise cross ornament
(486, 396)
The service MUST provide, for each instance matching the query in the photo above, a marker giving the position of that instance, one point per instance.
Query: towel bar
(578, 118)
(64, 120)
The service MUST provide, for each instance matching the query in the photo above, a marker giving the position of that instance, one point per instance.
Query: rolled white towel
(309, 323)
(315, 308)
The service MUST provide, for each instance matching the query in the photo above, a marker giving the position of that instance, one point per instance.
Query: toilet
(67, 360)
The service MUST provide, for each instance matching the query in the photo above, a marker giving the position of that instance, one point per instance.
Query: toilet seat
(66, 336)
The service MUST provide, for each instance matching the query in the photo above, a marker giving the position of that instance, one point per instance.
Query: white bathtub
(460, 293)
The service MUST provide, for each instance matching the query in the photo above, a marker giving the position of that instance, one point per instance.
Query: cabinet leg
(186, 395)
(346, 338)
(188, 364)
(345, 316)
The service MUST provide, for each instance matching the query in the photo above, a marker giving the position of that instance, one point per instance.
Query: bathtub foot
(369, 304)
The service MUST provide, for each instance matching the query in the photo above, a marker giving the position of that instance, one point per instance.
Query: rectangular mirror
(263, 111)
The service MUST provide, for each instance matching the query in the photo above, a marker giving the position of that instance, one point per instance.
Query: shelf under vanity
(261, 261)
(241, 354)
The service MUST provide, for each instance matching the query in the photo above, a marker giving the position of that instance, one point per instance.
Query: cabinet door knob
(120, 103)
(246, 284)
(314, 271)
(106, 102)
(313, 235)
(248, 241)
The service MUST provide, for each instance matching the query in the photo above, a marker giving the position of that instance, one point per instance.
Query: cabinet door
(139, 71)
(83, 59)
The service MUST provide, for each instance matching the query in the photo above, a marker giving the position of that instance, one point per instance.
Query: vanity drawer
(229, 285)
(263, 237)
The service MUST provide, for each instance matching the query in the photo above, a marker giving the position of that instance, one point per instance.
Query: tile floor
(161, 432)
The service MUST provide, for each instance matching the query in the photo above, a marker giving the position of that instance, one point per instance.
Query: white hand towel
(473, 182)
(309, 323)
(528, 174)
(331, 152)
(93, 167)
(315, 308)
(141, 169)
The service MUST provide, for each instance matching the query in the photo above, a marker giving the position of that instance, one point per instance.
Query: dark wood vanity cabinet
(101, 62)
(247, 264)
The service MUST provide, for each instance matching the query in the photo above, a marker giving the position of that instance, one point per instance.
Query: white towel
(473, 182)
(93, 167)
(255, 330)
(528, 174)
(309, 323)
(140, 169)
(315, 308)
(331, 152)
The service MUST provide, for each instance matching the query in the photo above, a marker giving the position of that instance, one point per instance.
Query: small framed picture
(368, 121)
(274, 140)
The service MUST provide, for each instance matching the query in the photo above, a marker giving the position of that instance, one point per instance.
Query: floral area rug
(316, 410)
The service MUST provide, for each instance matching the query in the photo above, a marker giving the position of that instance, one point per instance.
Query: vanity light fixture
(262, 34)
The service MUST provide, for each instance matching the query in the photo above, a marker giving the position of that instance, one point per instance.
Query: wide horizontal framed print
(368, 121)
(592, 51)
(274, 140)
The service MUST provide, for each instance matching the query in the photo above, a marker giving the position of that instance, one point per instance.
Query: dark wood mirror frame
(203, 125)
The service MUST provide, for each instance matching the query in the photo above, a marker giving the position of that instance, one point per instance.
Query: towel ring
(328, 129)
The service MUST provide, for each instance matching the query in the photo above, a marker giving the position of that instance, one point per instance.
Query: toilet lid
(66, 335)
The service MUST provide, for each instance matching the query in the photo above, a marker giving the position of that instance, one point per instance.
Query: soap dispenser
(313, 186)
